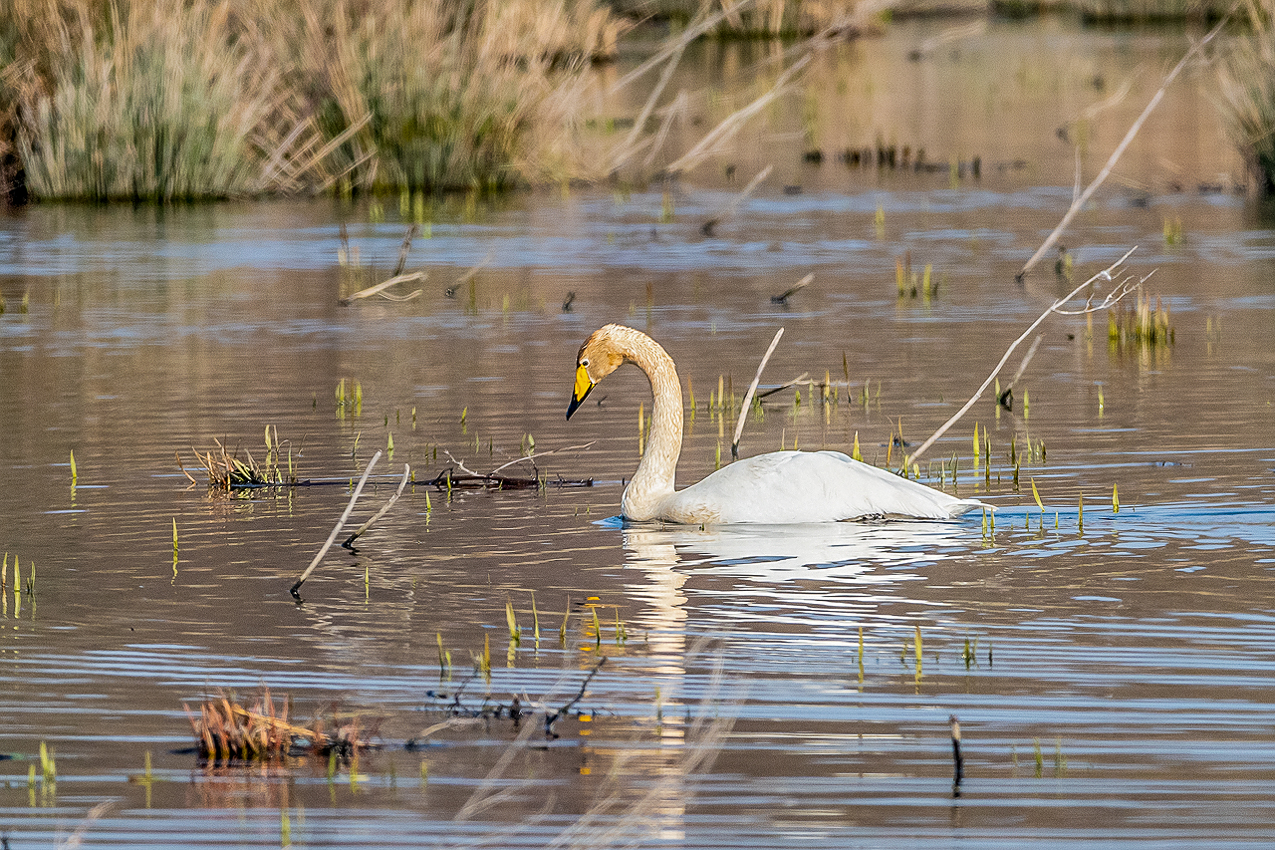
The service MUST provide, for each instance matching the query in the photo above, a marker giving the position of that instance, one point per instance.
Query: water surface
(1111, 671)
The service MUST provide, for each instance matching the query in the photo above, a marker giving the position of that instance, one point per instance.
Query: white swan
(779, 487)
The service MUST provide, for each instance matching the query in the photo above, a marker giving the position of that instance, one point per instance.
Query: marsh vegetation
(1082, 633)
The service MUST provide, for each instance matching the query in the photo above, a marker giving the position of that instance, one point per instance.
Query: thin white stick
(736, 120)
(582, 446)
(407, 472)
(748, 397)
(1118, 152)
(1105, 274)
(337, 530)
(729, 210)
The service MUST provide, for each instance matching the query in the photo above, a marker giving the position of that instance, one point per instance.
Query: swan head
(600, 355)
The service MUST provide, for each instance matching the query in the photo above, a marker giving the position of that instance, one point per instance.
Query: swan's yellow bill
(584, 385)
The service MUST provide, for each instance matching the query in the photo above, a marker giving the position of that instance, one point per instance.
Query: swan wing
(793, 486)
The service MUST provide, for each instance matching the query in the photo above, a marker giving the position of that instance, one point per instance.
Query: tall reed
(176, 99)
(153, 101)
(1247, 77)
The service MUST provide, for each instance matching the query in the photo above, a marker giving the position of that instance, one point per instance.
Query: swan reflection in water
(789, 573)
(794, 579)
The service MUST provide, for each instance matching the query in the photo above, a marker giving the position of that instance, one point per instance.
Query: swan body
(779, 487)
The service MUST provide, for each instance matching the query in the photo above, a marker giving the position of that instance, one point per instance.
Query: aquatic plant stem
(296, 587)
(748, 396)
(1122, 288)
(1084, 196)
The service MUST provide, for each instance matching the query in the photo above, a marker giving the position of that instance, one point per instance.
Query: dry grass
(1247, 77)
(226, 471)
(175, 99)
(225, 730)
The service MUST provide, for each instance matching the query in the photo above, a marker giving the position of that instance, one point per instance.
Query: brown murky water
(1113, 682)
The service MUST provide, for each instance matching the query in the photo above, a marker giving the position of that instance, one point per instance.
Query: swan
(778, 487)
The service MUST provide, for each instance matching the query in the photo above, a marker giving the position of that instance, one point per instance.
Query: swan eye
(584, 361)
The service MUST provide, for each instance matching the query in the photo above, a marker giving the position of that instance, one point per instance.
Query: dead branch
(580, 447)
(379, 288)
(348, 544)
(792, 290)
(804, 376)
(1084, 196)
(296, 587)
(690, 34)
(405, 248)
(707, 228)
(734, 122)
(553, 718)
(1006, 398)
(748, 396)
(1123, 287)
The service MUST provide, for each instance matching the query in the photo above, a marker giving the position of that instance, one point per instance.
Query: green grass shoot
(1080, 514)
(515, 633)
(918, 651)
(562, 630)
(535, 619)
(74, 474)
(861, 655)
(1036, 496)
(1115, 498)
(621, 633)
(1040, 759)
(856, 454)
(597, 627)
(47, 765)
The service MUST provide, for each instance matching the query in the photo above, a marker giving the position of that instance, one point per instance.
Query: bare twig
(405, 248)
(707, 228)
(1006, 398)
(553, 718)
(690, 34)
(407, 472)
(378, 288)
(296, 587)
(736, 120)
(469, 274)
(580, 447)
(1084, 196)
(804, 376)
(76, 838)
(792, 290)
(748, 396)
(1122, 288)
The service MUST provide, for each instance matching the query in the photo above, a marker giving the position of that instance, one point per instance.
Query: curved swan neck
(654, 478)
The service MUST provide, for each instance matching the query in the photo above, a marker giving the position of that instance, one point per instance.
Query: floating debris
(226, 730)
